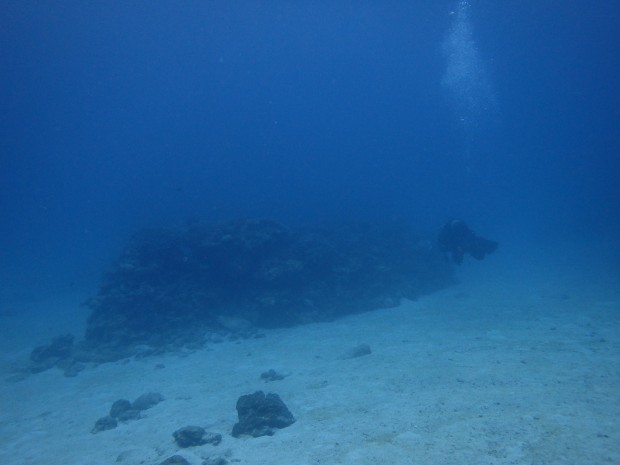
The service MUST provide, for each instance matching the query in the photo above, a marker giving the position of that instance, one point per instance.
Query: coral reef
(256, 273)
(182, 288)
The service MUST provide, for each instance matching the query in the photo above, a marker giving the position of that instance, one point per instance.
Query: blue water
(117, 116)
(121, 115)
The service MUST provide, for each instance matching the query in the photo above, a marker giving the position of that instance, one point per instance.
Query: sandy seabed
(497, 370)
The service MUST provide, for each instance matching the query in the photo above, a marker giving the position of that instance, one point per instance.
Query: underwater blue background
(121, 115)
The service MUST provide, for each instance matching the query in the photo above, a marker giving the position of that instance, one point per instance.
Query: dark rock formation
(119, 407)
(146, 401)
(123, 410)
(183, 288)
(357, 351)
(190, 436)
(271, 375)
(103, 424)
(129, 415)
(260, 415)
(53, 354)
(171, 287)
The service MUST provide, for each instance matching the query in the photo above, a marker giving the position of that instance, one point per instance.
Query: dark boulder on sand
(261, 415)
(190, 436)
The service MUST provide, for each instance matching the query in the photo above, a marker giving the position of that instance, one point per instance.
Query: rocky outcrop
(190, 436)
(172, 285)
(122, 410)
(186, 287)
(261, 415)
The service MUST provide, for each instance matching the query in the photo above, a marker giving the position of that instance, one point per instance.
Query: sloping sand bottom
(493, 371)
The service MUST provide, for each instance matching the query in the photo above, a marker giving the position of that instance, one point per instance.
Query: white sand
(494, 371)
